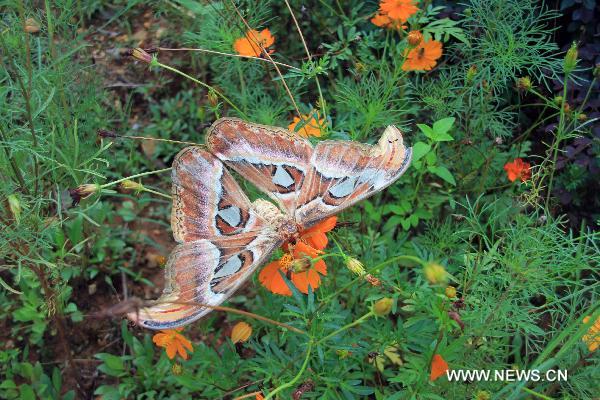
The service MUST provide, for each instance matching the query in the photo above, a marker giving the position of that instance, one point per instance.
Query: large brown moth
(223, 237)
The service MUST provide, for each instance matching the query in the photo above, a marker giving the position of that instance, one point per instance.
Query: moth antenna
(103, 133)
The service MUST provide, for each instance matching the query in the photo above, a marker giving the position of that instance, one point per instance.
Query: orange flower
(592, 338)
(297, 261)
(518, 169)
(439, 366)
(423, 56)
(250, 45)
(311, 127)
(174, 342)
(399, 10)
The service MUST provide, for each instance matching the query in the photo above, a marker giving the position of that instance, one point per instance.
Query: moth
(223, 237)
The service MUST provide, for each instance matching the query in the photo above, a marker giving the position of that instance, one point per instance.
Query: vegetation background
(522, 257)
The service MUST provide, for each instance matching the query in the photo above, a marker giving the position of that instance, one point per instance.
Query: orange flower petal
(311, 127)
(518, 169)
(400, 10)
(423, 57)
(320, 267)
(316, 240)
(439, 366)
(381, 20)
(302, 249)
(250, 44)
(244, 47)
(266, 37)
(186, 343)
(272, 280)
(326, 225)
(181, 350)
(171, 349)
(302, 279)
(160, 339)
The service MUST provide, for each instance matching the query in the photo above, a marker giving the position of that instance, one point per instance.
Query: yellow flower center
(286, 261)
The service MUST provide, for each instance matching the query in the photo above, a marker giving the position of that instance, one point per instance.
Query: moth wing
(223, 241)
(274, 159)
(345, 172)
(207, 201)
(204, 272)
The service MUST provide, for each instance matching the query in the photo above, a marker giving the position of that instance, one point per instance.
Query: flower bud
(582, 117)
(140, 54)
(558, 100)
(596, 71)
(435, 273)
(355, 266)
(414, 38)
(483, 395)
(14, 204)
(383, 307)
(360, 67)
(570, 61)
(300, 265)
(177, 369)
(471, 72)
(241, 332)
(131, 185)
(451, 292)
(524, 84)
(213, 99)
(83, 192)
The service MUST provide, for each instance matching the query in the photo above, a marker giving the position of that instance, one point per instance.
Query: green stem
(13, 163)
(229, 55)
(555, 145)
(207, 86)
(145, 189)
(298, 375)
(160, 140)
(158, 171)
(345, 327)
(536, 394)
(249, 314)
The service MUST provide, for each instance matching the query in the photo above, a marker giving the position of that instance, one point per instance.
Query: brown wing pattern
(274, 159)
(204, 272)
(223, 241)
(207, 201)
(344, 173)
